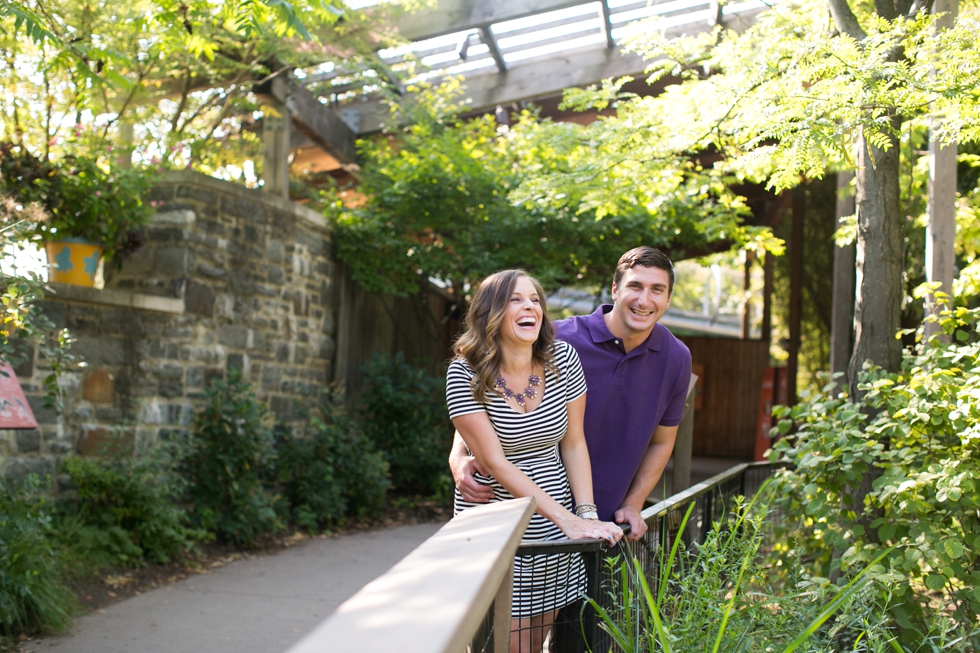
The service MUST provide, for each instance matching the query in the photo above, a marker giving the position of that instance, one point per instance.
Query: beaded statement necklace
(529, 392)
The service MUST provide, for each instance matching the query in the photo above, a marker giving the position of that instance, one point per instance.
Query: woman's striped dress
(530, 441)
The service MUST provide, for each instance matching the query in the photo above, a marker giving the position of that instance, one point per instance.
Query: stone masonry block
(20, 468)
(28, 440)
(271, 377)
(98, 387)
(233, 335)
(274, 251)
(202, 195)
(103, 441)
(199, 298)
(41, 414)
(173, 261)
(101, 351)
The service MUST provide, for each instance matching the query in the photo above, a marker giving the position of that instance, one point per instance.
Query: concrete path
(256, 605)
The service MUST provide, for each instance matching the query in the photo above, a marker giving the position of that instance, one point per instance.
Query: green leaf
(936, 582)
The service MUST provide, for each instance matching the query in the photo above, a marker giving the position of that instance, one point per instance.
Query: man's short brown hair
(648, 257)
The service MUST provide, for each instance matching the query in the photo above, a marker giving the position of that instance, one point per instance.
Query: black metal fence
(575, 629)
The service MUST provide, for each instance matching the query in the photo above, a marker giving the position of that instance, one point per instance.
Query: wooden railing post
(683, 444)
(501, 612)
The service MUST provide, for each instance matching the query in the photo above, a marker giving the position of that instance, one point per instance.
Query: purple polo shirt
(629, 395)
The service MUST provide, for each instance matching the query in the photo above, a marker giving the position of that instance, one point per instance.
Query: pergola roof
(507, 51)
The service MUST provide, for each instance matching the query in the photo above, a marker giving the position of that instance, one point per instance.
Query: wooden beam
(460, 15)
(607, 24)
(487, 37)
(767, 270)
(745, 331)
(321, 125)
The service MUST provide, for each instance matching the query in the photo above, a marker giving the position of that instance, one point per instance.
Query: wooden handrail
(435, 598)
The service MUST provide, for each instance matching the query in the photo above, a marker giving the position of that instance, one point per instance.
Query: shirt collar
(601, 333)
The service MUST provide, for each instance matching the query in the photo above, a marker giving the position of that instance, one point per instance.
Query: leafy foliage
(330, 471)
(913, 435)
(80, 199)
(448, 199)
(133, 504)
(723, 595)
(229, 461)
(166, 80)
(24, 328)
(33, 594)
(404, 417)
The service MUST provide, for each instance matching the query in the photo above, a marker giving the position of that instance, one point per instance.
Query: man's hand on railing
(631, 516)
(463, 468)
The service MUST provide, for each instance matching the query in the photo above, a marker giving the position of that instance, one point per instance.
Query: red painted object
(15, 412)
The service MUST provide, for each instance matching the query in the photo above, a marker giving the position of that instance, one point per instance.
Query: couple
(517, 397)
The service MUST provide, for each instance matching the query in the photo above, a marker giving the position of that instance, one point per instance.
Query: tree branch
(845, 20)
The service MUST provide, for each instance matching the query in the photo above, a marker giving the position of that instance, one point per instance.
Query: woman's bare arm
(575, 453)
(481, 439)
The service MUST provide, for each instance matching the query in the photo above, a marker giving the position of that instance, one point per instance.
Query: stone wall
(229, 277)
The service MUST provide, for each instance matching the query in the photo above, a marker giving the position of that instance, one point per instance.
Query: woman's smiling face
(522, 319)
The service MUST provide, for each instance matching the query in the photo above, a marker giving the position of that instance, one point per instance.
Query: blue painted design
(63, 259)
(91, 264)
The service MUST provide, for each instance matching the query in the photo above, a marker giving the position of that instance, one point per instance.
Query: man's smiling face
(640, 299)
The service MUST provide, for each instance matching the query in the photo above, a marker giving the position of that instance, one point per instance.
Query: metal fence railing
(575, 629)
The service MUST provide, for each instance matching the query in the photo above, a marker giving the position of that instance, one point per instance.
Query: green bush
(404, 416)
(33, 593)
(897, 469)
(229, 464)
(132, 503)
(329, 470)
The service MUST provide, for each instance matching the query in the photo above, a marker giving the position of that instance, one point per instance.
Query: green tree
(446, 198)
(794, 95)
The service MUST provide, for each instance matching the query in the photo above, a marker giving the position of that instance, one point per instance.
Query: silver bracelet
(587, 511)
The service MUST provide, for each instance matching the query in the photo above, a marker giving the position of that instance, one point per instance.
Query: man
(638, 375)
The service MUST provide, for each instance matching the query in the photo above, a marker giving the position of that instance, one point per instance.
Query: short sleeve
(675, 409)
(575, 385)
(459, 392)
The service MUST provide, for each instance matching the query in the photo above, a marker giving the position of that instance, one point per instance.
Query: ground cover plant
(34, 595)
(403, 411)
(328, 470)
(896, 469)
(229, 461)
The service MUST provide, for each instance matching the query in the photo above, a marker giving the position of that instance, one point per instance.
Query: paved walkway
(256, 605)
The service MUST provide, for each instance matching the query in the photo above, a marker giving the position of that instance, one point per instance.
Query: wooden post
(502, 604)
(767, 268)
(680, 478)
(745, 332)
(842, 310)
(795, 289)
(941, 230)
(275, 139)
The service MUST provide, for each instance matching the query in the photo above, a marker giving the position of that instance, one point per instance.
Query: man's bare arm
(646, 478)
(463, 465)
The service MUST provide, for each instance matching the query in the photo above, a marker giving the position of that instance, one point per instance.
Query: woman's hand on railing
(577, 528)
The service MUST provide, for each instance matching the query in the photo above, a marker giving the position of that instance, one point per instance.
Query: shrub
(229, 463)
(330, 471)
(132, 503)
(404, 416)
(33, 594)
(898, 469)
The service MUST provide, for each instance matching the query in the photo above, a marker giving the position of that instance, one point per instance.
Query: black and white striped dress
(530, 441)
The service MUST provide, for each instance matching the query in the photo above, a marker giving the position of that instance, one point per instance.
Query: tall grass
(722, 596)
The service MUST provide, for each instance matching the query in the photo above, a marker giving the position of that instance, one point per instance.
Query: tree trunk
(878, 300)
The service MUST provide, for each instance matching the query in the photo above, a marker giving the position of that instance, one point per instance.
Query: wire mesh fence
(575, 628)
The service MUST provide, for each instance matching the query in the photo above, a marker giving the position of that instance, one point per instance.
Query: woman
(517, 397)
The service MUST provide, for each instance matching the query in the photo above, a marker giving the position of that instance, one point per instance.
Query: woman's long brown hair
(479, 345)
